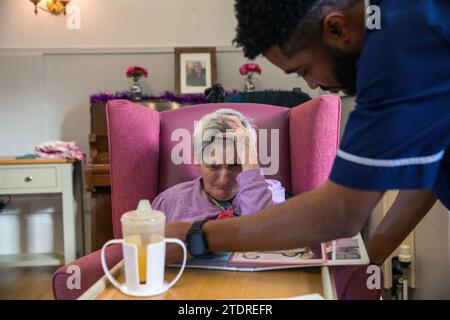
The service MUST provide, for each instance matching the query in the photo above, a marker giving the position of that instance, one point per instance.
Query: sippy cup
(144, 251)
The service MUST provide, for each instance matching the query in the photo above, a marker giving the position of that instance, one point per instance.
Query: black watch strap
(196, 240)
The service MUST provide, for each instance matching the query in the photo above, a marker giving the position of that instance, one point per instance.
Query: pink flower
(137, 72)
(249, 68)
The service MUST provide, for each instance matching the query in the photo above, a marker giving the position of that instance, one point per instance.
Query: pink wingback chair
(140, 147)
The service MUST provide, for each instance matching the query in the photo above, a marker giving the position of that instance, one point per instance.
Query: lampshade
(53, 6)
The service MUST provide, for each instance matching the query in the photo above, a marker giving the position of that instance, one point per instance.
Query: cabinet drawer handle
(29, 179)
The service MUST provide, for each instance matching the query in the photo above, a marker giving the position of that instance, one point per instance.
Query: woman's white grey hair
(211, 125)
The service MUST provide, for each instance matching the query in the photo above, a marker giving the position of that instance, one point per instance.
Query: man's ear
(336, 30)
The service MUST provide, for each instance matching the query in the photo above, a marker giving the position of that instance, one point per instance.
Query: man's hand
(174, 253)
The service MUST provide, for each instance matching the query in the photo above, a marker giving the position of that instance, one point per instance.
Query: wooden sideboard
(97, 170)
(44, 176)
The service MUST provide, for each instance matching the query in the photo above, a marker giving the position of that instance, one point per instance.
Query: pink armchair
(140, 147)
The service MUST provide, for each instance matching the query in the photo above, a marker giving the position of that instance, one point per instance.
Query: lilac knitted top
(187, 201)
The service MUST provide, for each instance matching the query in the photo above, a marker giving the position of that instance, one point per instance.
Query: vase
(136, 89)
(249, 85)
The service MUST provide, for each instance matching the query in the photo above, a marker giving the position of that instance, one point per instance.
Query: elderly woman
(231, 182)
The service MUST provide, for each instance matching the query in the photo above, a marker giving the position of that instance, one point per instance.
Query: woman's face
(219, 175)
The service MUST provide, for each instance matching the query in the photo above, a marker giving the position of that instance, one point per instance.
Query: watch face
(196, 244)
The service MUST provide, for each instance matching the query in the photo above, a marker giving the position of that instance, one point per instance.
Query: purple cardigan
(187, 202)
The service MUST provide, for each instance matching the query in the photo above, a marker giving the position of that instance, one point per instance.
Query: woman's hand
(245, 139)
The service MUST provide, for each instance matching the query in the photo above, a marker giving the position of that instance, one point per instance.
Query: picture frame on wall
(195, 69)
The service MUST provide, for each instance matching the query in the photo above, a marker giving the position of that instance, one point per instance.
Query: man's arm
(408, 209)
(327, 213)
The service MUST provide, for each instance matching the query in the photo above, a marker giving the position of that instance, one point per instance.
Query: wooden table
(39, 176)
(203, 284)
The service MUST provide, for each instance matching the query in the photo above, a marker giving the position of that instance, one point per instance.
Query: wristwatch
(196, 240)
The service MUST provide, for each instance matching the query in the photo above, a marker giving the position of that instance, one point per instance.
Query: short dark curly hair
(290, 24)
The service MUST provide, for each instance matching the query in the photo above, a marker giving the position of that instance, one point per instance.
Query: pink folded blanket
(59, 150)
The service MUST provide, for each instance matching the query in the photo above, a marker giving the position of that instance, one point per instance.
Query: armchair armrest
(351, 283)
(90, 271)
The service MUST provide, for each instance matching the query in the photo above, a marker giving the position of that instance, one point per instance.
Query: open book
(350, 251)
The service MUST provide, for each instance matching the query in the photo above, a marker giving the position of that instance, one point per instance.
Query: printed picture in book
(306, 255)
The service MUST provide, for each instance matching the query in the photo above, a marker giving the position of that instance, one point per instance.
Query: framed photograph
(195, 69)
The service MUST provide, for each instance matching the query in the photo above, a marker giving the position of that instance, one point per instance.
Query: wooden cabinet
(38, 176)
(97, 170)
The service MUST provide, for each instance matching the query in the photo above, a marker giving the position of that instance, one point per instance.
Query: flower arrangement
(136, 72)
(248, 70)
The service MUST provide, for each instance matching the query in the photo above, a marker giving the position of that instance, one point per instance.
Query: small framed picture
(195, 69)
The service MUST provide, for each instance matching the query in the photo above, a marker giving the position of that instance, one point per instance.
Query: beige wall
(121, 23)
